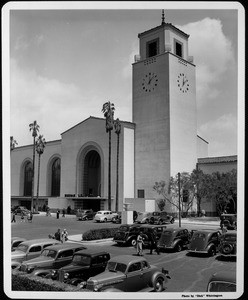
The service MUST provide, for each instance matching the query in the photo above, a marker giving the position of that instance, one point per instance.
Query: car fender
(15, 264)
(41, 272)
(155, 275)
(131, 237)
(175, 242)
(210, 246)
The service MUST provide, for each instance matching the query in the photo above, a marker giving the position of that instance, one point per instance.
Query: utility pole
(179, 195)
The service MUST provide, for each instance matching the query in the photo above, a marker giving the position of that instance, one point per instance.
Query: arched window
(28, 172)
(56, 178)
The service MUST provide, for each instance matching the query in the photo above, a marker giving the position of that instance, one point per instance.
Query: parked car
(228, 244)
(161, 217)
(148, 229)
(143, 217)
(117, 218)
(29, 249)
(223, 281)
(104, 216)
(127, 273)
(174, 238)
(84, 264)
(229, 221)
(85, 214)
(52, 257)
(204, 241)
(15, 241)
(127, 234)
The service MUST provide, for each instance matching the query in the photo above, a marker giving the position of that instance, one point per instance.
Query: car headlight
(53, 273)
(30, 269)
(66, 275)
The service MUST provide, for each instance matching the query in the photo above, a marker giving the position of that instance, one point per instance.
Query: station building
(160, 141)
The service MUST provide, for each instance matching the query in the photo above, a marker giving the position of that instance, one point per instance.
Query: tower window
(179, 49)
(152, 48)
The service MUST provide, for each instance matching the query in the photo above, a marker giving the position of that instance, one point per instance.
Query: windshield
(115, 266)
(221, 286)
(23, 248)
(99, 213)
(83, 260)
(124, 228)
(48, 253)
(199, 236)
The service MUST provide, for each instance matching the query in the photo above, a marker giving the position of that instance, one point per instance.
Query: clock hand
(150, 79)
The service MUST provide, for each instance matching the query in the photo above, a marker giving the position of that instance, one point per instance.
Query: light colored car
(127, 273)
(15, 241)
(104, 216)
(29, 249)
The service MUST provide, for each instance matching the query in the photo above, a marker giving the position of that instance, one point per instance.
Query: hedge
(22, 281)
(99, 234)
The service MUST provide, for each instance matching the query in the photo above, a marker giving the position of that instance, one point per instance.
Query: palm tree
(34, 127)
(108, 110)
(40, 146)
(13, 143)
(117, 125)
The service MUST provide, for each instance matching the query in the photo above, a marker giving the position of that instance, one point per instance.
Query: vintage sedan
(15, 241)
(161, 217)
(223, 281)
(53, 257)
(127, 273)
(147, 230)
(104, 216)
(85, 215)
(28, 250)
(229, 221)
(84, 264)
(205, 242)
(174, 239)
(228, 244)
(127, 234)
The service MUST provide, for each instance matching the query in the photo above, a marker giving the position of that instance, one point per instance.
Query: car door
(135, 278)
(33, 251)
(63, 258)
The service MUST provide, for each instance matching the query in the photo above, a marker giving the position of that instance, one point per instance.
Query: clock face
(149, 82)
(183, 83)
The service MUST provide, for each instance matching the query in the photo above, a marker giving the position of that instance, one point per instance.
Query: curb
(90, 242)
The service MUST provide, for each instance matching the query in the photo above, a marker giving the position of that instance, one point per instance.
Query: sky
(64, 64)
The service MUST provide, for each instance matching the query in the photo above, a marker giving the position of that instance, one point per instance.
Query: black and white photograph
(123, 149)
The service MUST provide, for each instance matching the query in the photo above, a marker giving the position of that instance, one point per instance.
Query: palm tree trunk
(109, 173)
(32, 195)
(117, 176)
(38, 182)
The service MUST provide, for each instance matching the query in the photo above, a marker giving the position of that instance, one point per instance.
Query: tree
(34, 128)
(117, 125)
(13, 143)
(108, 111)
(40, 146)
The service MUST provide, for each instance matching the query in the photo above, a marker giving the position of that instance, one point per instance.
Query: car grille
(119, 236)
(23, 268)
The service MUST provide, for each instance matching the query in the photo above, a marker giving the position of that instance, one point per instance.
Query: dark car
(147, 230)
(174, 239)
(84, 265)
(53, 257)
(117, 219)
(127, 234)
(85, 214)
(229, 221)
(223, 281)
(161, 217)
(127, 273)
(228, 244)
(205, 242)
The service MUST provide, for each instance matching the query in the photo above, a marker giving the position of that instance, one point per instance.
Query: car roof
(233, 232)
(38, 241)
(91, 252)
(65, 246)
(127, 258)
(175, 229)
(207, 231)
(229, 276)
(152, 226)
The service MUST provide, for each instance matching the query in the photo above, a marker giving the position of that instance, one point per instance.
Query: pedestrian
(63, 212)
(22, 217)
(140, 245)
(57, 235)
(48, 211)
(58, 211)
(64, 236)
(30, 217)
(13, 217)
(153, 244)
(69, 210)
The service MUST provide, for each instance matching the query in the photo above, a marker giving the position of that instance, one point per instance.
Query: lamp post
(179, 201)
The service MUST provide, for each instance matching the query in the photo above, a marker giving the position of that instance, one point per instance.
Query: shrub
(98, 234)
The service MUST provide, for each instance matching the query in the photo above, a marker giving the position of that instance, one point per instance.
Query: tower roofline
(165, 26)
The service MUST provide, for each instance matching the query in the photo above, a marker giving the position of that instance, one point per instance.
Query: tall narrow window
(28, 170)
(179, 49)
(141, 193)
(152, 48)
(56, 178)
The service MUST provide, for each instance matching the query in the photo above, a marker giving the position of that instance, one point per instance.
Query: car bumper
(198, 251)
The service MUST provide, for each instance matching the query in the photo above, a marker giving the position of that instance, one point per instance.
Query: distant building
(161, 141)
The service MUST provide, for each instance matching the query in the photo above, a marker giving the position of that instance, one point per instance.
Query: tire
(158, 284)
(178, 247)
(133, 242)
(212, 251)
(105, 220)
(227, 249)
(86, 219)
(160, 222)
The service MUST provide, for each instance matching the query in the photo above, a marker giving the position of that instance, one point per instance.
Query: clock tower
(164, 107)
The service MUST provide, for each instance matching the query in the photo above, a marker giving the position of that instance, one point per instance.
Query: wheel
(158, 284)
(134, 242)
(178, 247)
(85, 218)
(160, 222)
(227, 248)
(212, 251)
(105, 220)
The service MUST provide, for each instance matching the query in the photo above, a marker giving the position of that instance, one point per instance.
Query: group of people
(29, 217)
(152, 243)
(59, 235)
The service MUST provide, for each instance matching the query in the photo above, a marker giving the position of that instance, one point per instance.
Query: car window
(46, 245)
(15, 244)
(49, 253)
(22, 247)
(35, 249)
(134, 267)
(83, 260)
(144, 264)
(115, 266)
(218, 286)
(66, 253)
